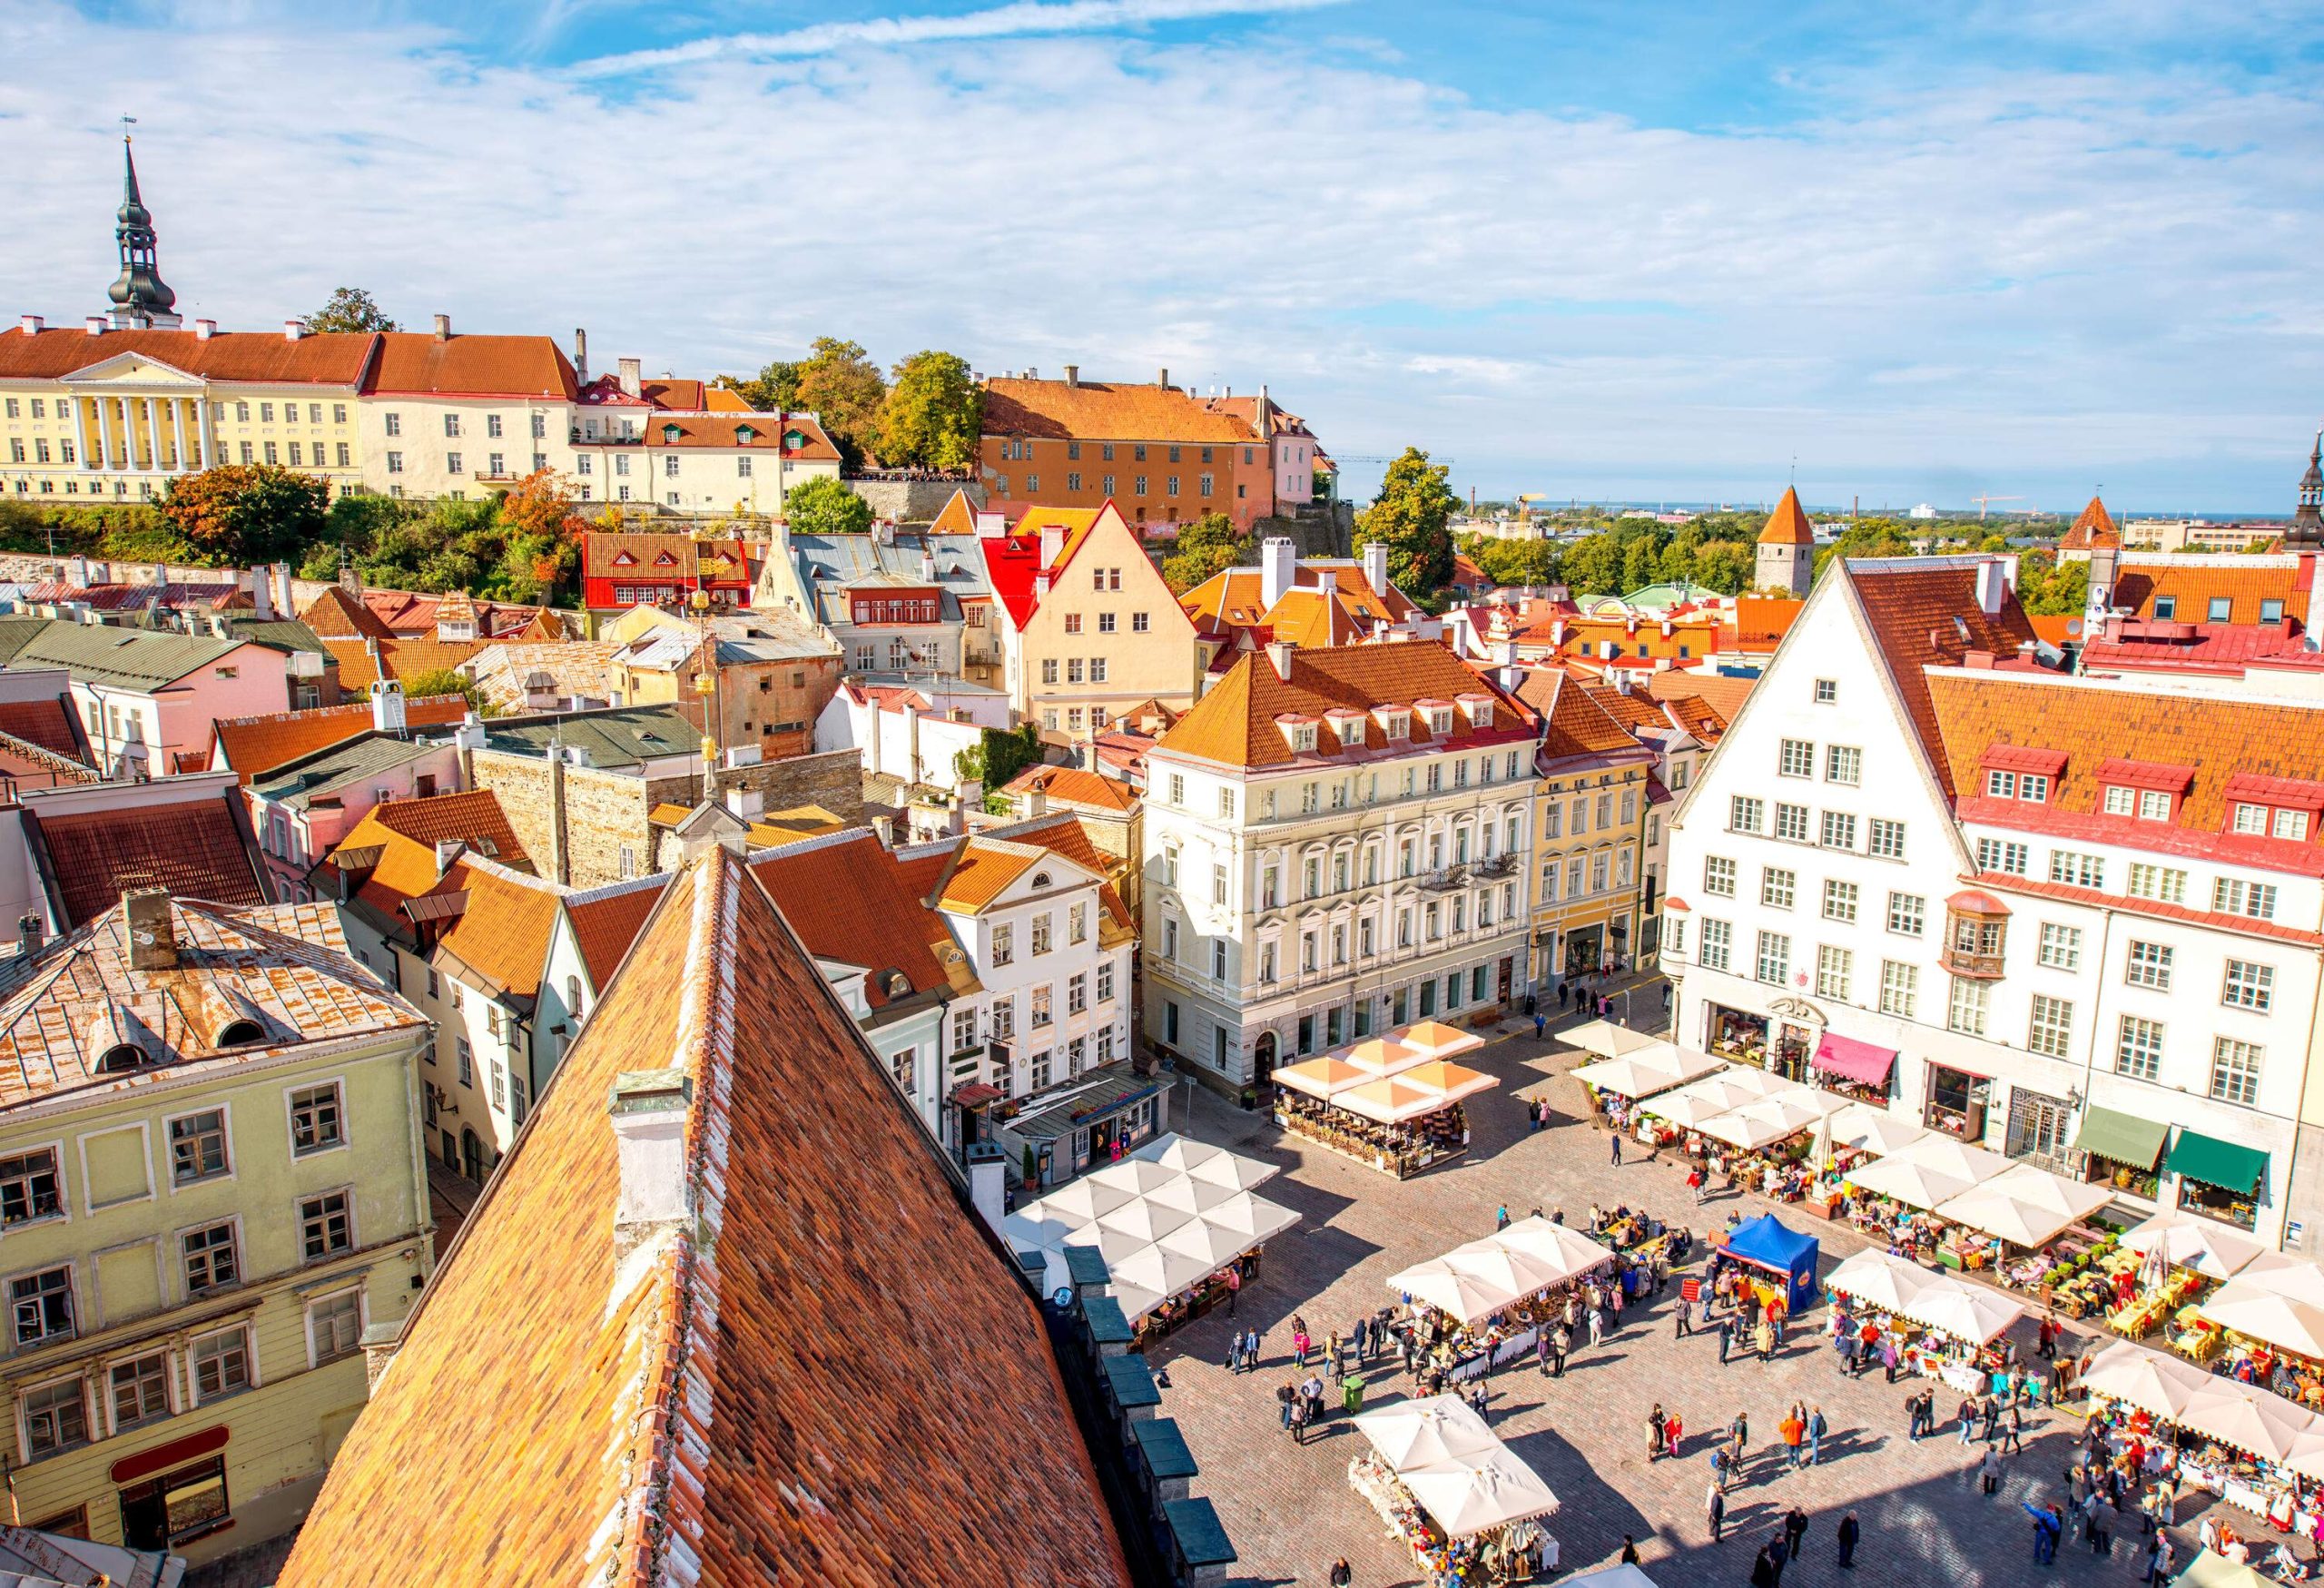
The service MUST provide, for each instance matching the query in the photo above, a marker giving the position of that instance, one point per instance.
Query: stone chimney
(1375, 566)
(443, 327)
(1278, 570)
(649, 1109)
(386, 704)
(29, 933)
(260, 582)
(1279, 653)
(580, 355)
(988, 1180)
(1162, 377)
(1073, 374)
(152, 934)
(633, 376)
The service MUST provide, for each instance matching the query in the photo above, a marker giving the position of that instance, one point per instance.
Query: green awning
(2120, 1137)
(2224, 1164)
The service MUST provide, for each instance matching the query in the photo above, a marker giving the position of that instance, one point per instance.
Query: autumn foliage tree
(934, 414)
(1412, 513)
(238, 515)
(843, 387)
(541, 540)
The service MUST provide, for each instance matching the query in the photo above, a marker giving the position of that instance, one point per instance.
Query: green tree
(1593, 565)
(1411, 516)
(775, 387)
(241, 514)
(839, 381)
(825, 506)
(350, 308)
(1204, 547)
(1725, 566)
(1641, 561)
(2047, 590)
(442, 681)
(1513, 562)
(933, 413)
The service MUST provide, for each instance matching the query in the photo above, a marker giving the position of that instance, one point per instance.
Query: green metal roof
(1164, 1448)
(622, 737)
(2229, 1165)
(2121, 1137)
(127, 658)
(15, 633)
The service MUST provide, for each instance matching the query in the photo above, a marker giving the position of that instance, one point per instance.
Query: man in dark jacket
(1795, 1528)
(1848, 1535)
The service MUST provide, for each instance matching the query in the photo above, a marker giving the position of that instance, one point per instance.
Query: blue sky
(1589, 250)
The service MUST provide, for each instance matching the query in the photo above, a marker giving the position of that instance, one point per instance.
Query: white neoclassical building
(2074, 920)
(1337, 842)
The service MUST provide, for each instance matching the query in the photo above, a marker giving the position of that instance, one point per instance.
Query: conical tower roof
(1788, 524)
(2095, 527)
(2307, 519)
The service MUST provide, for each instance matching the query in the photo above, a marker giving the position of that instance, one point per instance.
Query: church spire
(140, 296)
(2307, 521)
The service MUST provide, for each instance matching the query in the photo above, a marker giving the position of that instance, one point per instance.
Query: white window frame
(290, 1129)
(224, 1109)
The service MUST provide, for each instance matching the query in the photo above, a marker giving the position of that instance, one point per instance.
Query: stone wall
(1316, 529)
(573, 821)
(833, 780)
(912, 502)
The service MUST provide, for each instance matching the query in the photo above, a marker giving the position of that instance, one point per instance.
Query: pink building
(148, 699)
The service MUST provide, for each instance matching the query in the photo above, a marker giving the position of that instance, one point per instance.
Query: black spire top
(2307, 521)
(139, 295)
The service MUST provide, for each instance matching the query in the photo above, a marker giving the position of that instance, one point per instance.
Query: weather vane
(126, 122)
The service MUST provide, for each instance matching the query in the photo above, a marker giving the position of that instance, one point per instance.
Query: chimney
(447, 850)
(1163, 377)
(153, 936)
(443, 327)
(260, 581)
(294, 330)
(386, 704)
(580, 355)
(748, 804)
(1982, 661)
(988, 1176)
(96, 324)
(285, 601)
(649, 1109)
(1073, 374)
(31, 324)
(28, 934)
(633, 376)
(1037, 800)
(885, 826)
(1278, 570)
(1279, 653)
(350, 580)
(203, 330)
(1375, 566)
(928, 566)
(1052, 544)
(1992, 585)
(467, 734)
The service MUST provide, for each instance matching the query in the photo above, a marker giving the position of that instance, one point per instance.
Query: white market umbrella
(1915, 1185)
(1136, 1303)
(1082, 1199)
(1956, 1158)
(1643, 1074)
(1213, 1243)
(1865, 1128)
(1567, 1252)
(2032, 1184)
(1148, 1218)
(1425, 1432)
(1192, 1195)
(1472, 1494)
(2005, 1218)
(1447, 1079)
(1254, 1218)
(1607, 1040)
(1503, 1268)
(1739, 1128)
(1030, 1231)
(1200, 1160)
(2156, 1384)
(1878, 1279)
(2285, 1274)
(2306, 1456)
(1133, 1175)
(1706, 1098)
(2186, 1241)
(1621, 1575)
(1158, 1268)
(2266, 1315)
(1966, 1312)
(1321, 1078)
(2258, 1421)
(1467, 1296)
(1776, 1118)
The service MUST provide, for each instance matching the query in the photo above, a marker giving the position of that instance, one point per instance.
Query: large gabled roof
(2192, 582)
(733, 1403)
(194, 848)
(848, 902)
(1013, 562)
(1235, 722)
(128, 658)
(2093, 528)
(501, 933)
(1104, 410)
(419, 363)
(325, 359)
(1923, 612)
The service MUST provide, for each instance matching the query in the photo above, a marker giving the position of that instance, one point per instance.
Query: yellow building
(1087, 627)
(209, 1187)
(1587, 831)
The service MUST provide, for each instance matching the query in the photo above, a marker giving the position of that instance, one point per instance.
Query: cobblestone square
(1289, 1509)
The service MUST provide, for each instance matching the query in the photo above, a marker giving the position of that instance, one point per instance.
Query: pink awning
(1847, 1057)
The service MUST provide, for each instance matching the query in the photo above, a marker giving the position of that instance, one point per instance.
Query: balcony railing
(1444, 880)
(1499, 865)
(1968, 962)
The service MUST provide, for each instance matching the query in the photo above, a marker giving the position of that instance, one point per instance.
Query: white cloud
(2035, 273)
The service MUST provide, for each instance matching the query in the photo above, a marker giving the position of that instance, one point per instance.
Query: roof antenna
(1793, 482)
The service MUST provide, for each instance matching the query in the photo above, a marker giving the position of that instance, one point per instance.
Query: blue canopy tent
(1764, 1243)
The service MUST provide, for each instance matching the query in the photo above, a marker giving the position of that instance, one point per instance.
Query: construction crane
(1981, 502)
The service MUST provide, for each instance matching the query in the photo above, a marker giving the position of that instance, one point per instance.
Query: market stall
(1783, 1258)
(1931, 1169)
(1939, 1326)
(1609, 1041)
(2017, 1212)
(2247, 1445)
(1170, 1222)
(2269, 1337)
(1778, 1116)
(1862, 1128)
(1461, 1501)
(1483, 1301)
(2181, 1240)
(1392, 1102)
(1655, 1069)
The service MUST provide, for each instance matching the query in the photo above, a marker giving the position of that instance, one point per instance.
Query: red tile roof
(1063, 834)
(606, 921)
(652, 556)
(2192, 582)
(2094, 528)
(502, 936)
(1329, 603)
(194, 848)
(1762, 621)
(1072, 786)
(254, 746)
(764, 433)
(1923, 612)
(336, 614)
(1723, 694)
(1788, 524)
(847, 902)
(50, 722)
(2224, 650)
(1234, 722)
(1012, 562)
(330, 359)
(1099, 410)
(362, 662)
(736, 1402)
(416, 363)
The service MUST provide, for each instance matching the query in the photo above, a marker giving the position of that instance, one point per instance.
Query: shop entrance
(1957, 1104)
(2040, 1128)
(1508, 975)
(1263, 1053)
(1584, 948)
(171, 1509)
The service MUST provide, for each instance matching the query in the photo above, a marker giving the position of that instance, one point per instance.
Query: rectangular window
(1834, 968)
(31, 1187)
(2061, 947)
(2138, 1051)
(1744, 814)
(198, 1147)
(1791, 823)
(2235, 1071)
(1775, 886)
(1773, 962)
(141, 1390)
(1003, 949)
(210, 1258)
(1996, 854)
(315, 1119)
(325, 1226)
(335, 1326)
(2077, 870)
(42, 1307)
(1839, 829)
(2148, 965)
(1969, 1004)
(1718, 937)
(1796, 758)
(1840, 900)
(1842, 764)
(2164, 885)
(2234, 896)
(1907, 913)
(2249, 986)
(2034, 786)
(1888, 839)
(2252, 819)
(2050, 1028)
(56, 1417)
(1900, 988)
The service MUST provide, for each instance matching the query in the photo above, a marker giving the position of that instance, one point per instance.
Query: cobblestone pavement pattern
(1289, 1510)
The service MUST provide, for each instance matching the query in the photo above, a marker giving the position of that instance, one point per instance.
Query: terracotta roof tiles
(1072, 786)
(1234, 722)
(606, 921)
(476, 366)
(844, 898)
(1099, 410)
(1923, 612)
(503, 933)
(255, 746)
(194, 848)
(2094, 528)
(2190, 583)
(51, 724)
(330, 359)
(1788, 524)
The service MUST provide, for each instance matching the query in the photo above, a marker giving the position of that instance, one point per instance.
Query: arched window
(239, 1031)
(121, 1058)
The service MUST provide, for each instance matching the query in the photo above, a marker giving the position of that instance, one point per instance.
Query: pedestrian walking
(1778, 1557)
(1561, 1344)
(1500, 1219)
(1794, 1529)
(1989, 1413)
(2158, 1561)
(1763, 1338)
(1684, 1318)
(1342, 1574)
(1671, 1428)
(1816, 1429)
(1299, 1420)
(1597, 1327)
(1989, 1473)
(1542, 1351)
(1912, 1417)
(1284, 1395)
(1726, 1337)
(1967, 1414)
(1541, 1023)
(1654, 1435)
(2047, 1341)
(1740, 1431)
(1697, 1183)
(1794, 1430)
(2047, 1524)
(1715, 1508)
(1565, 996)
(1617, 1139)
(1234, 1286)
(1848, 1533)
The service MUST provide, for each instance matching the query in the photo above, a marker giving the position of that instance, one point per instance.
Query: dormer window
(2148, 804)
(1479, 708)
(2018, 786)
(2272, 611)
(670, 433)
(2291, 825)
(2033, 787)
(664, 559)
(1302, 737)
(1440, 720)
(121, 1058)
(744, 435)
(1396, 725)
(2251, 819)
(2166, 608)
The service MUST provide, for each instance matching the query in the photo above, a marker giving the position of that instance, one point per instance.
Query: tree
(933, 414)
(824, 506)
(1513, 562)
(842, 384)
(442, 681)
(1206, 547)
(1593, 564)
(2047, 590)
(1411, 515)
(1725, 566)
(242, 514)
(774, 388)
(350, 308)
